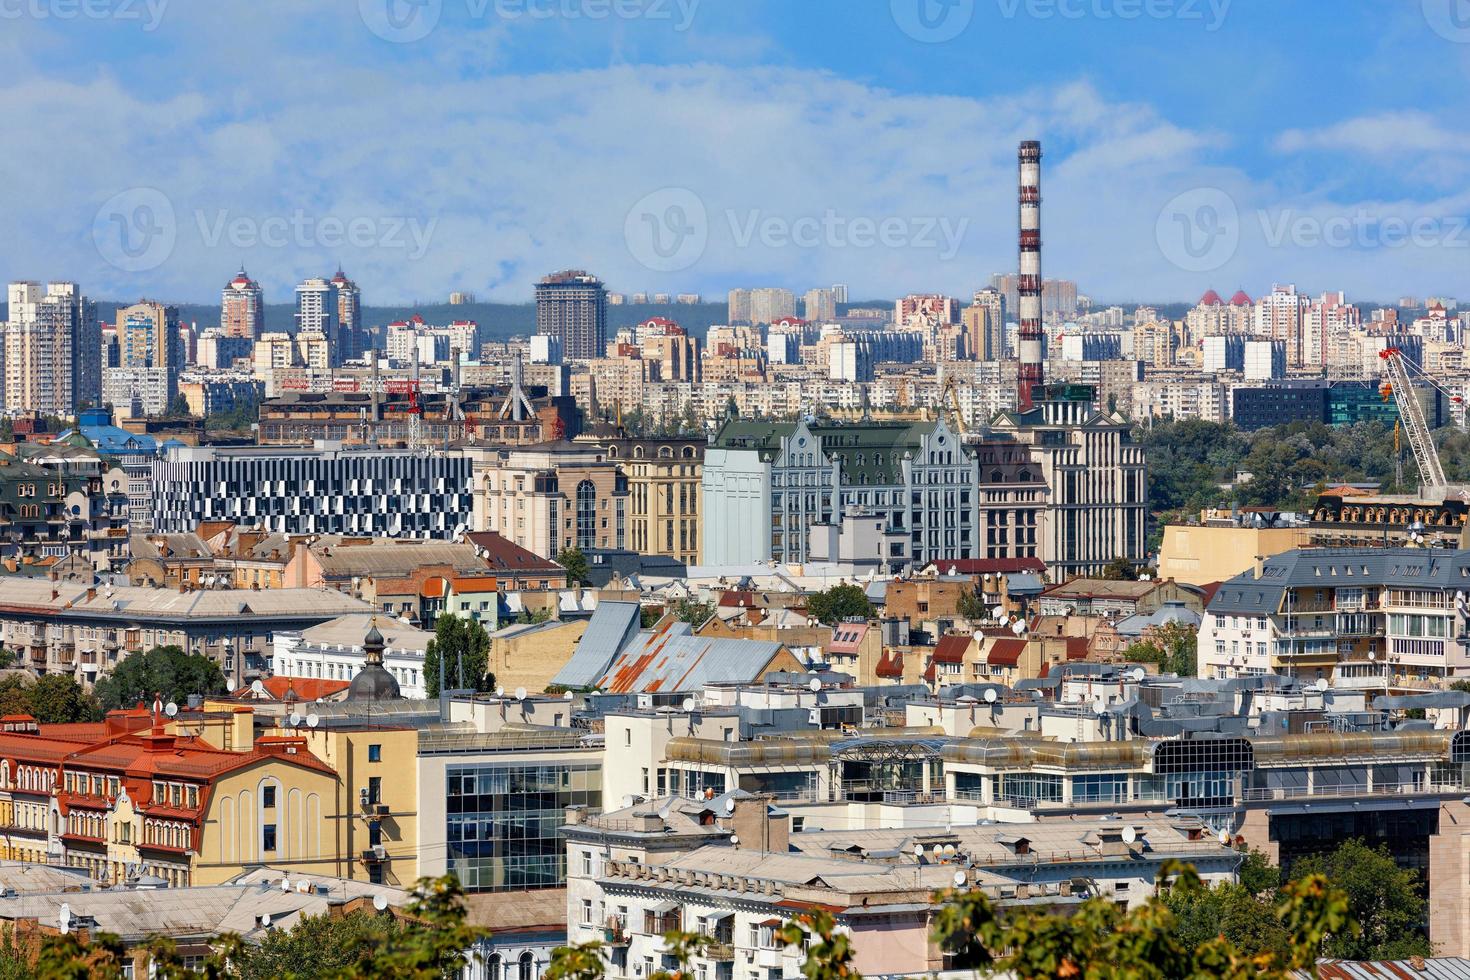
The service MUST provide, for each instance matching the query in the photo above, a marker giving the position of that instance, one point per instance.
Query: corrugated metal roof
(613, 626)
(672, 660)
(1432, 968)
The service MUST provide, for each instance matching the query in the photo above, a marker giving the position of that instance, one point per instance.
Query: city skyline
(1287, 173)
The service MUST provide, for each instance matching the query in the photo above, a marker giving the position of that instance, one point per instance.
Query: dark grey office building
(572, 306)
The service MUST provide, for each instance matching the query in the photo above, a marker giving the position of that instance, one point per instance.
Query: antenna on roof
(312, 720)
(171, 709)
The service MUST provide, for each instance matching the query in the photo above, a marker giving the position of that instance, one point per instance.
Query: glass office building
(503, 821)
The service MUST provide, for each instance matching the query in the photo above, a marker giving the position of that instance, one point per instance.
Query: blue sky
(694, 145)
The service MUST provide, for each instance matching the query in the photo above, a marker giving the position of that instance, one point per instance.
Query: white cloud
(522, 174)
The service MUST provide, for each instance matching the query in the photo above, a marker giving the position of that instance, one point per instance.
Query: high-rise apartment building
(317, 307)
(820, 305)
(985, 321)
(53, 349)
(572, 306)
(767, 305)
(350, 341)
(1280, 315)
(917, 310)
(738, 307)
(151, 355)
(242, 307)
(839, 291)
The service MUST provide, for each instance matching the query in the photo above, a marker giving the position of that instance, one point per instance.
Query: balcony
(615, 933)
(769, 959)
(720, 952)
(1266, 794)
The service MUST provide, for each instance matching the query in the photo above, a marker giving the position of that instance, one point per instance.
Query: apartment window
(375, 789)
(587, 863)
(375, 753)
(268, 797)
(268, 837)
(586, 911)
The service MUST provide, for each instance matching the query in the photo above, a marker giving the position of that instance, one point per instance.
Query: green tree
(1246, 920)
(15, 695)
(971, 605)
(1119, 570)
(1258, 875)
(1384, 899)
(464, 648)
(1099, 940)
(578, 571)
(321, 946)
(7, 658)
(1174, 647)
(167, 671)
(692, 611)
(58, 699)
(839, 603)
(178, 408)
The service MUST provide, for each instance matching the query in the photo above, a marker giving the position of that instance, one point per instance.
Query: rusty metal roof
(673, 659)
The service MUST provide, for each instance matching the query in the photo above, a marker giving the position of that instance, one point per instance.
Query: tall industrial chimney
(1031, 339)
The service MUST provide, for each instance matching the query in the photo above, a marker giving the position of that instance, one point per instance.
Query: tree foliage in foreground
(430, 943)
(839, 603)
(167, 671)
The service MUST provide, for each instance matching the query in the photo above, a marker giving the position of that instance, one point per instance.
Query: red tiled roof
(732, 598)
(890, 665)
(474, 583)
(1076, 648)
(306, 688)
(951, 649)
(1006, 652)
(847, 637)
(503, 555)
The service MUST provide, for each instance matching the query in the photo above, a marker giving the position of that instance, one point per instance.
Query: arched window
(495, 966)
(527, 966)
(586, 514)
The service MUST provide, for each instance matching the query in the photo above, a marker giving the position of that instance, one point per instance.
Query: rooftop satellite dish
(257, 686)
(63, 918)
(729, 806)
(735, 839)
(1129, 835)
(230, 684)
(312, 720)
(380, 903)
(285, 884)
(303, 886)
(815, 684)
(990, 695)
(918, 850)
(998, 613)
(500, 692)
(688, 706)
(1018, 627)
(950, 850)
(520, 694)
(1224, 838)
(1322, 684)
(1138, 674)
(1100, 706)
(295, 719)
(569, 695)
(960, 879)
(171, 709)
(265, 921)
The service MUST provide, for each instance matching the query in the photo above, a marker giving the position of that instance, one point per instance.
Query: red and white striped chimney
(1031, 338)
